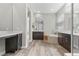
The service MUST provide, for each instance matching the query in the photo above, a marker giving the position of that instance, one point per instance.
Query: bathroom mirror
(38, 22)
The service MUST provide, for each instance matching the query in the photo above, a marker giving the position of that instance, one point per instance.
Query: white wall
(67, 21)
(27, 34)
(49, 22)
(60, 19)
(64, 18)
(28, 25)
(31, 19)
(5, 16)
(19, 20)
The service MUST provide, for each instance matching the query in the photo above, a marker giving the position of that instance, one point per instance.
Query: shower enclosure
(68, 28)
(75, 25)
(64, 28)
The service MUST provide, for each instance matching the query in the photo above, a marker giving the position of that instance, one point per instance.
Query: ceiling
(45, 7)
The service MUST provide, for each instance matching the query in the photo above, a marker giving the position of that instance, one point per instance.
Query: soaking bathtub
(53, 38)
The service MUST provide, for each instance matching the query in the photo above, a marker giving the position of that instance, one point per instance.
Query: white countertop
(69, 54)
(69, 32)
(37, 31)
(9, 33)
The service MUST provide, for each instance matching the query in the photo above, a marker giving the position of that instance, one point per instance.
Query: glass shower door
(64, 27)
(75, 19)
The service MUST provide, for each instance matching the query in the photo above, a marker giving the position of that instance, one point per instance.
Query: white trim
(2, 53)
(24, 46)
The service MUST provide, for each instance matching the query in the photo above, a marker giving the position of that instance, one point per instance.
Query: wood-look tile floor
(39, 48)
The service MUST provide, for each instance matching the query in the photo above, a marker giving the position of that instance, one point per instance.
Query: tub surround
(10, 41)
(51, 38)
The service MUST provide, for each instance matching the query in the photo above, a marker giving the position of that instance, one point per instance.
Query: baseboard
(2, 53)
(24, 46)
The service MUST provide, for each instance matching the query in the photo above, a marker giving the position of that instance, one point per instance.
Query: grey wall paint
(60, 19)
(49, 26)
(64, 16)
(49, 23)
(5, 17)
(19, 19)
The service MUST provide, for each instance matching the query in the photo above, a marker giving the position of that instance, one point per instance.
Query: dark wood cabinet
(65, 41)
(13, 43)
(19, 41)
(37, 35)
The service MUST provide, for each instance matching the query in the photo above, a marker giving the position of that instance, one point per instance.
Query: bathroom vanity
(10, 41)
(64, 40)
(38, 35)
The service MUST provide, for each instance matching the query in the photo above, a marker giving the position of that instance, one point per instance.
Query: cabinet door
(60, 38)
(67, 41)
(63, 42)
(5, 16)
(19, 41)
(11, 44)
